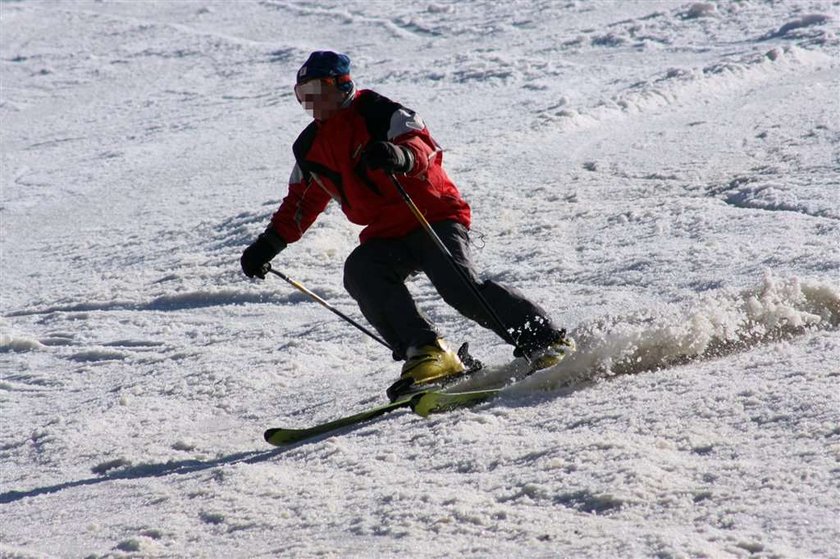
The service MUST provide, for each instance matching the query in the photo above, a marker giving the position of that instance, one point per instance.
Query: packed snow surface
(662, 176)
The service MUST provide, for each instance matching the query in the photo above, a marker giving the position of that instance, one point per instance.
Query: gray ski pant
(375, 274)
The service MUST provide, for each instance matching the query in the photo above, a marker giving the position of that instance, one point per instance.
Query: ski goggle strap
(315, 87)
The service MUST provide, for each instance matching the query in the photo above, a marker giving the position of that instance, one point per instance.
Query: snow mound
(801, 28)
(774, 193)
(715, 326)
(11, 341)
(13, 552)
(699, 10)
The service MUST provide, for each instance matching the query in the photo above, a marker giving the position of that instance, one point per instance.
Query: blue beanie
(327, 64)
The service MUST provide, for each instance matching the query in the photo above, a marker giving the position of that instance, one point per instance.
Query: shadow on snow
(142, 471)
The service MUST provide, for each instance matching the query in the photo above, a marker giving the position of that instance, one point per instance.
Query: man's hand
(256, 257)
(389, 157)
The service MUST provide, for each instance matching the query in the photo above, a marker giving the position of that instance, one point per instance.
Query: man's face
(320, 98)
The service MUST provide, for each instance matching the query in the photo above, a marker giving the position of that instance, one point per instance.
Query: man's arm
(406, 145)
(296, 213)
(301, 206)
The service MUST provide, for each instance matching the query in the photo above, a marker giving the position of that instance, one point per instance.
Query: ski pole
(461, 273)
(300, 287)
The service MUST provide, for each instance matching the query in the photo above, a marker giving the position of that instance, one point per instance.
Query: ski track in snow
(662, 176)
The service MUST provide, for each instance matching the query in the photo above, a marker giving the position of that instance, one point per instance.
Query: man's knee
(354, 272)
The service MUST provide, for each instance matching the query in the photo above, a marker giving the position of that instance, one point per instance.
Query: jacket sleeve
(408, 129)
(301, 206)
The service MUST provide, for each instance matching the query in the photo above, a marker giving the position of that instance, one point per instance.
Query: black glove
(256, 257)
(389, 157)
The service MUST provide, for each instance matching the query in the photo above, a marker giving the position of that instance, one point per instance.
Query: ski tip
(283, 437)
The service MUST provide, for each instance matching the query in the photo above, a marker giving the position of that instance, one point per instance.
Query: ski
(468, 392)
(281, 436)
(421, 403)
(438, 401)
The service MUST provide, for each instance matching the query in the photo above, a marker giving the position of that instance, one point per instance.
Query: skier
(356, 140)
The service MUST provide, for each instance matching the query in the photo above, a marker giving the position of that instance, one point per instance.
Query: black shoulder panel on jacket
(377, 111)
(303, 144)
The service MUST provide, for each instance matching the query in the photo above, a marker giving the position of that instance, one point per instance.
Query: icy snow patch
(683, 85)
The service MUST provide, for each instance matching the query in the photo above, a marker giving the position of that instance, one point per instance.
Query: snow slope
(662, 176)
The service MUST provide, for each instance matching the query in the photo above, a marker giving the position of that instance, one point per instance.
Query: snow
(661, 175)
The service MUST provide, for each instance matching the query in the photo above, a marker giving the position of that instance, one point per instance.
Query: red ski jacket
(328, 166)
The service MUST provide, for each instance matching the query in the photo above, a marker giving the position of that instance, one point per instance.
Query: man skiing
(350, 152)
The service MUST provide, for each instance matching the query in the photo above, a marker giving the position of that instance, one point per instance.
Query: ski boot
(552, 354)
(430, 364)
